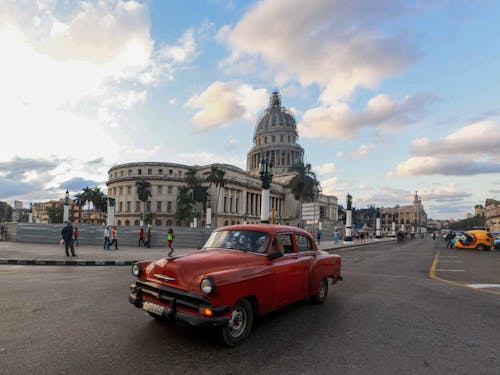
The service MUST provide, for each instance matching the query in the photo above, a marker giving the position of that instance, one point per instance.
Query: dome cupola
(275, 139)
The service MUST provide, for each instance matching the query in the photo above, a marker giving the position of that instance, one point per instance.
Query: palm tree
(143, 193)
(216, 177)
(304, 186)
(80, 202)
(184, 206)
(87, 196)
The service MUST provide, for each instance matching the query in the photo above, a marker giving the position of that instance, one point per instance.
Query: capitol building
(239, 199)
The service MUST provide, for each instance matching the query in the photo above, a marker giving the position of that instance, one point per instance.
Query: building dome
(275, 139)
(276, 119)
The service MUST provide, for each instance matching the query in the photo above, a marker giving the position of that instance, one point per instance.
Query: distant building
(239, 200)
(479, 210)
(48, 212)
(492, 215)
(410, 218)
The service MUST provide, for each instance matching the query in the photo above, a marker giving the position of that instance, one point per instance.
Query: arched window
(137, 222)
(127, 222)
(119, 222)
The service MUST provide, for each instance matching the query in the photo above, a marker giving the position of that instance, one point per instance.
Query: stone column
(111, 212)
(378, 234)
(348, 220)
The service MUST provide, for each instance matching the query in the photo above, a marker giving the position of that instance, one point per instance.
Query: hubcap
(322, 290)
(238, 322)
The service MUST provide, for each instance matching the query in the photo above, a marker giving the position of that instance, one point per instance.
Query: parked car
(475, 239)
(241, 272)
(496, 240)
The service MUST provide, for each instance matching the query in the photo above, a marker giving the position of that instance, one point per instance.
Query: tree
(5, 212)
(216, 177)
(184, 205)
(79, 200)
(55, 213)
(87, 196)
(149, 217)
(304, 185)
(143, 194)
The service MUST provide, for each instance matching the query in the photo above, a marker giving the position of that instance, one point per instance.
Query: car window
(245, 240)
(286, 241)
(304, 243)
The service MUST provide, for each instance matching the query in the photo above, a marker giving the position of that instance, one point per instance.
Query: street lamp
(66, 207)
(348, 220)
(266, 176)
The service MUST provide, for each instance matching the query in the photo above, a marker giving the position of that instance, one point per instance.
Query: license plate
(152, 308)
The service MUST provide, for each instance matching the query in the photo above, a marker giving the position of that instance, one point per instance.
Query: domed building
(275, 139)
(239, 199)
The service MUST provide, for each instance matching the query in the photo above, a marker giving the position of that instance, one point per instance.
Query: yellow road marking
(432, 275)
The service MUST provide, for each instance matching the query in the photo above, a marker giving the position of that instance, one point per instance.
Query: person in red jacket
(141, 238)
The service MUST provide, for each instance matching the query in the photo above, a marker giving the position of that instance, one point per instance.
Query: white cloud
(473, 149)
(224, 102)
(338, 121)
(71, 77)
(361, 151)
(325, 168)
(334, 44)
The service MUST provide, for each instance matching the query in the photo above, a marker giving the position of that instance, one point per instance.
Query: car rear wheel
(240, 324)
(320, 297)
(481, 247)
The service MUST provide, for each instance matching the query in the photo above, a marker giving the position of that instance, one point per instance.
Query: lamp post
(266, 176)
(348, 220)
(66, 207)
(377, 225)
(111, 211)
(209, 211)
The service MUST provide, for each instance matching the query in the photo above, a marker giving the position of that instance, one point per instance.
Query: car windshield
(245, 240)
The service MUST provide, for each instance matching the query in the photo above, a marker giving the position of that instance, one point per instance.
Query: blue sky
(390, 97)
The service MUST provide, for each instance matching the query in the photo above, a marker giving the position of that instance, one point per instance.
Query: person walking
(170, 240)
(67, 235)
(141, 238)
(106, 238)
(148, 236)
(114, 238)
(336, 238)
(318, 236)
(75, 236)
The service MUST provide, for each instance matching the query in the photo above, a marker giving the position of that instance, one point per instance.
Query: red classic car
(242, 271)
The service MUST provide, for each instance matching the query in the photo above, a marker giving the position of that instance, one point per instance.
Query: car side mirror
(275, 255)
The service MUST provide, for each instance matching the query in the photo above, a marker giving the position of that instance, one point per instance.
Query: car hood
(186, 272)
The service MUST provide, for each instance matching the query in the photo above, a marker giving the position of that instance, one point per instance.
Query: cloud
(80, 71)
(325, 168)
(336, 45)
(339, 121)
(472, 149)
(27, 169)
(361, 151)
(76, 184)
(224, 102)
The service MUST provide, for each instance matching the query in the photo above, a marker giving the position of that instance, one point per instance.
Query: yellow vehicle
(475, 239)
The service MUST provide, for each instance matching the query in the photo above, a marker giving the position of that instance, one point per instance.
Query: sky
(390, 97)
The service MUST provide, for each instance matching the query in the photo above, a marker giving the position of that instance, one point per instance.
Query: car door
(288, 273)
(306, 258)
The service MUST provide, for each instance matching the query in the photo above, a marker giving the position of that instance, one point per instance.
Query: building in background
(492, 215)
(239, 200)
(410, 218)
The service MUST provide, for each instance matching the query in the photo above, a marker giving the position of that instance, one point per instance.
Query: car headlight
(136, 270)
(207, 285)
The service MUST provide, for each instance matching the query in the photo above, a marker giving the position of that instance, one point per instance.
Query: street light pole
(66, 207)
(348, 220)
(266, 176)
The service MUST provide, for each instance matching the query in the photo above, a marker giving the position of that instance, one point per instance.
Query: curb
(51, 262)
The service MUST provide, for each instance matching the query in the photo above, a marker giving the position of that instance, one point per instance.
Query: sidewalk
(91, 255)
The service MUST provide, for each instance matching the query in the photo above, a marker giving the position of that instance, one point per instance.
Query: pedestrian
(318, 236)
(170, 240)
(434, 235)
(336, 238)
(67, 235)
(141, 238)
(148, 236)
(106, 238)
(75, 235)
(114, 238)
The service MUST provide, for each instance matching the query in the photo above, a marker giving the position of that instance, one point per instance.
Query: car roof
(268, 228)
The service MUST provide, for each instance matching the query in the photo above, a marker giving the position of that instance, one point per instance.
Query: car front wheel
(240, 324)
(320, 297)
(481, 247)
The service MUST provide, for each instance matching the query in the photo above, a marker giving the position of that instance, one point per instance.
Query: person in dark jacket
(67, 235)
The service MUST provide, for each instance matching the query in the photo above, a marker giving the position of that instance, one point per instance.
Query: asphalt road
(388, 316)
